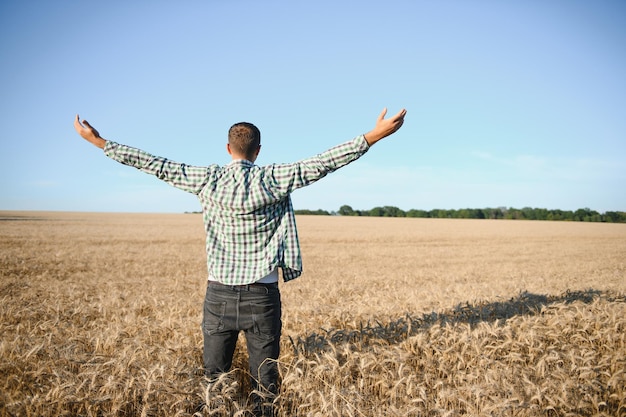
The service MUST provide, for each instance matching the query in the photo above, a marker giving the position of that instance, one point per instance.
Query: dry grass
(100, 316)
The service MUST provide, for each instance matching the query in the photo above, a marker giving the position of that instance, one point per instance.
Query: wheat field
(100, 316)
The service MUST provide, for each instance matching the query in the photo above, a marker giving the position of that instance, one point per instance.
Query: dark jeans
(255, 309)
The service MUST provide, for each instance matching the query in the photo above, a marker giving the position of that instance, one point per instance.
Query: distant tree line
(526, 213)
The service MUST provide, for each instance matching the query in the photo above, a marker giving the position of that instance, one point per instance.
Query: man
(250, 235)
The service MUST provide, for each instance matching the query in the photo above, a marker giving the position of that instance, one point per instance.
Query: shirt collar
(240, 162)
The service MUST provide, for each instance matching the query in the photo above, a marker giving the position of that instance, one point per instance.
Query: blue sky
(510, 103)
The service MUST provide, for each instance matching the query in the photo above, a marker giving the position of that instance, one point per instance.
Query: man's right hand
(89, 133)
(385, 127)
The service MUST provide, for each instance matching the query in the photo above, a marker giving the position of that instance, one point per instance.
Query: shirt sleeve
(290, 177)
(185, 177)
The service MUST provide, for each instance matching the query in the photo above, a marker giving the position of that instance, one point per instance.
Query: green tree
(441, 214)
(494, 213)
(541, 214)
(376, 212)
(346, 211)
(615, 217)
(391, 211)
(417, 213)
(318, 212)
(528, 213)
(584, 214)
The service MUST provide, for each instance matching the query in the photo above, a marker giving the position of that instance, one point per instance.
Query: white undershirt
(270, 278)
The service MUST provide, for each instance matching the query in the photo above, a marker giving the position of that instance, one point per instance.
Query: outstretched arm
(290, 177)
(89, 133)
(185, 177)
(385, 127)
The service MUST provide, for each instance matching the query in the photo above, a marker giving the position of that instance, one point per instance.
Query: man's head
(244, 141)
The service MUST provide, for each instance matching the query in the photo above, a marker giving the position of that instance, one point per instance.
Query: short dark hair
(244, 138)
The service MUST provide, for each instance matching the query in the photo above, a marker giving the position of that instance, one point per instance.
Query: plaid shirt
(247, 212)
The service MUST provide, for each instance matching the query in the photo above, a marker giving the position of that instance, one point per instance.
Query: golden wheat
(100, 315)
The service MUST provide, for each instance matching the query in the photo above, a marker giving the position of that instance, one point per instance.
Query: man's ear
(230, 152)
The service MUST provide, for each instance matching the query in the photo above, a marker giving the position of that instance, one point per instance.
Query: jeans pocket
(266, 319)
(213, 319)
